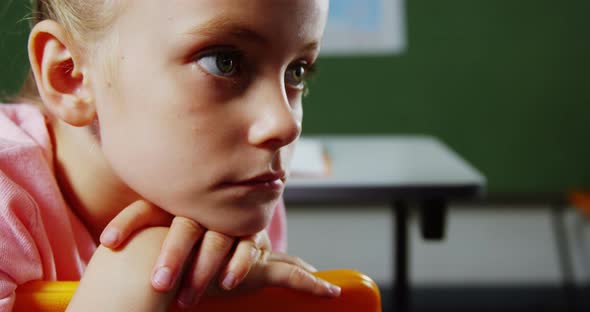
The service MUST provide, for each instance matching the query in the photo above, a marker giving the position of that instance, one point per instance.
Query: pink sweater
(40, 237)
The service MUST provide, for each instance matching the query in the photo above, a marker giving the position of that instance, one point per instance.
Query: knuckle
(249, 251)
(297, 276)
(248, 240)
(299, 262)
(216, 241)
(139, 212)
(252, 254)
(188, 225)
(258, 239)
(262, 256)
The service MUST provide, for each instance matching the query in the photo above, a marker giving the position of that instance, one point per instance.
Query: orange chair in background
(580, 200)
(359, 294)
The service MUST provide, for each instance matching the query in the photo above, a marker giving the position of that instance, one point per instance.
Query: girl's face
(202, 104)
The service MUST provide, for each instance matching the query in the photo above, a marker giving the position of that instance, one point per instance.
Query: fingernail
(109, 237)
(163, 277)
(187, 298)
(334, 290)
(228, 281)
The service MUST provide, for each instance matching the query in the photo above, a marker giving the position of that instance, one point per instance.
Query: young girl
(189, 106)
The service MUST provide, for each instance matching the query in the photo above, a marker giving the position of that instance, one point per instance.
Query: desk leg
(401, 298)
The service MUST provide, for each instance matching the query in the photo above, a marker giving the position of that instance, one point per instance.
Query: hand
(178, 246)
(282, 270)
(183, 236)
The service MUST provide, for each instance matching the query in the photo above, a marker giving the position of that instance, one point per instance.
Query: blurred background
(503, 83)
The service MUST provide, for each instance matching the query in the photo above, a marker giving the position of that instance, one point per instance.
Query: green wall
(506, 83)
(13, 40)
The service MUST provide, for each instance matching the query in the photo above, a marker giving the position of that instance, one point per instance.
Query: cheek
(297, 106)
(175, 138)
(157, 151)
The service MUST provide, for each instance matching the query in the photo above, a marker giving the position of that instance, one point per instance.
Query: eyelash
(312, 71)
(238, 58)
(234, 55)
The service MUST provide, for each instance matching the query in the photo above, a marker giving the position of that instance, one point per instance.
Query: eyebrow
(237, 29)
(218, 25)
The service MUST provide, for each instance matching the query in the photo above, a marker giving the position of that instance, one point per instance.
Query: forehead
(302, 18)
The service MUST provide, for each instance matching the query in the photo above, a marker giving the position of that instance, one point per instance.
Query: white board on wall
(365, 27)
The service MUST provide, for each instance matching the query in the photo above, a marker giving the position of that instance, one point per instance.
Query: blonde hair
(86, 22)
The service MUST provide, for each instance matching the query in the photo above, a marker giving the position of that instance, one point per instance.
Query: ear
(60, 76)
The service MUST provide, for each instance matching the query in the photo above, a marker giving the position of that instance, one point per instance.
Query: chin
(242, 220)
(240, 228)
(246, 224)
(231, 216)
(245, 229)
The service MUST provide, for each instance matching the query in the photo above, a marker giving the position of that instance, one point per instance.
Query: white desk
(393, 170)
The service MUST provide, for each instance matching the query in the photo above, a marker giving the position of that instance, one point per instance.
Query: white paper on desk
(309, 159)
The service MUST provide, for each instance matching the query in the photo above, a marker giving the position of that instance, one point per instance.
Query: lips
(265, 178)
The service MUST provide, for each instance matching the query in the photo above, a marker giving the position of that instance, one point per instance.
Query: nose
(275, 123)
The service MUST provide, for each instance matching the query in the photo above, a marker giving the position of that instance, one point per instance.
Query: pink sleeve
(277, 229)
(20, 260)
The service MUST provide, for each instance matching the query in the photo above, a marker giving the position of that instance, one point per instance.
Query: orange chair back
(359, 293)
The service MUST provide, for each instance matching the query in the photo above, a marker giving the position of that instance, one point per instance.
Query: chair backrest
(359, 293)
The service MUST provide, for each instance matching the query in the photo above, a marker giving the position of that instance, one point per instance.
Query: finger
(242, 260)
(244, 257)
(140, 214)
(182, 237)
(287, 275)
(283, 257)
(209, 258)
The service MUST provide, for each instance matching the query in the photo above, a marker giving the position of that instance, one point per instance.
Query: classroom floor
(496, 257)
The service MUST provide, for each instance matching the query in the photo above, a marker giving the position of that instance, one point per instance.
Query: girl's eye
(223, 64)
(295, 75)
